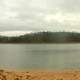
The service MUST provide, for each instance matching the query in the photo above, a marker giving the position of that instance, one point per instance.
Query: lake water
(40, 56)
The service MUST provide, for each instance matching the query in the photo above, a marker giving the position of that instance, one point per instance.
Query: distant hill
(43, 37)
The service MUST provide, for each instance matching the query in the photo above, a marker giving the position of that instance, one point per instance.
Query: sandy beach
(39, 75)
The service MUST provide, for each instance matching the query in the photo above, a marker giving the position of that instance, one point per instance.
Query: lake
(40, 56)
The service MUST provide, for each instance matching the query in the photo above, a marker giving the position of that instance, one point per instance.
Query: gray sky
(37, 15)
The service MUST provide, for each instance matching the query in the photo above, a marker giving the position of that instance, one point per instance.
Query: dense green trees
(43, 37)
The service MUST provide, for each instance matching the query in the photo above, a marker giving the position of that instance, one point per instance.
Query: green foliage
(43, 37)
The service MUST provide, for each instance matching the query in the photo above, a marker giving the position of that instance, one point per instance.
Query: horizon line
(19, 33)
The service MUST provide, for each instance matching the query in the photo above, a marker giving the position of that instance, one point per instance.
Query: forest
(43, 37)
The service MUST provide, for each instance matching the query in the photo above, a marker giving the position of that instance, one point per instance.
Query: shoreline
(39, 75)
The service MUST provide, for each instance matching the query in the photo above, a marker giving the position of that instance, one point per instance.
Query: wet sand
(39, 75)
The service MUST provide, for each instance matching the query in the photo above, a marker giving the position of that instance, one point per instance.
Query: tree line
(43, 37)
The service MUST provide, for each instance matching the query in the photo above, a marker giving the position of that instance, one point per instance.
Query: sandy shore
(39, 75)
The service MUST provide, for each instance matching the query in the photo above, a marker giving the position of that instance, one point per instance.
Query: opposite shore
(43, 37)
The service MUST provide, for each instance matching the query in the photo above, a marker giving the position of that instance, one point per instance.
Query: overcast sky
(37, 15)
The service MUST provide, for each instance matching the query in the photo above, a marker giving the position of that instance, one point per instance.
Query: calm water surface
(40, 56)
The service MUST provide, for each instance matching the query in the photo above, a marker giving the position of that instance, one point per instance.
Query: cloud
(36, 15)
(71, 5)
(14, 33)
